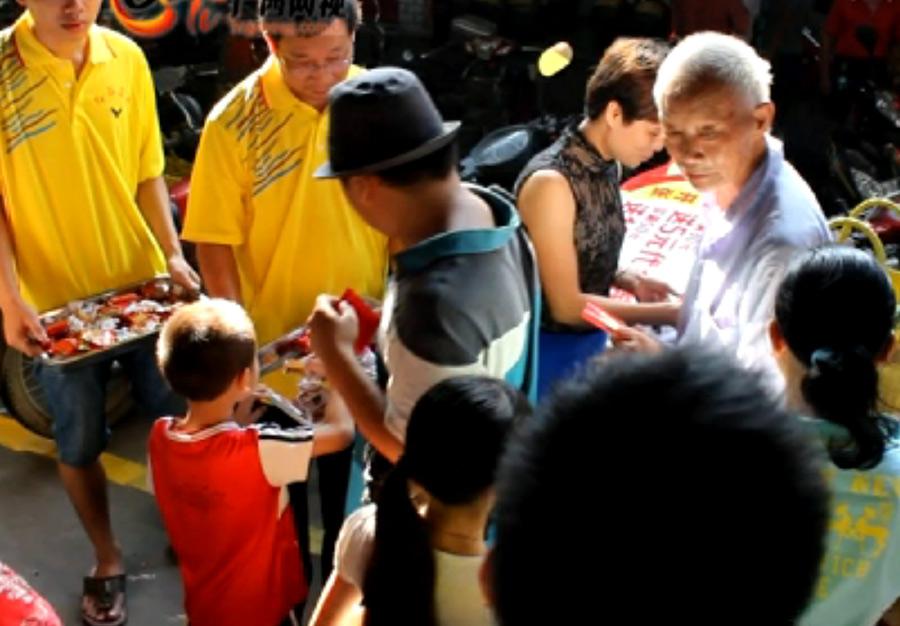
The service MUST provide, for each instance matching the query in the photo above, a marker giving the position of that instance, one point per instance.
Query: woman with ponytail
(834, 317)
(414, 557)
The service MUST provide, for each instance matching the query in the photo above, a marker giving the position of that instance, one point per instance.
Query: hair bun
(833, 360)
(825, 360)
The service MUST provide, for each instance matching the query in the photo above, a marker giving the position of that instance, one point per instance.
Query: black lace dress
(599, 219)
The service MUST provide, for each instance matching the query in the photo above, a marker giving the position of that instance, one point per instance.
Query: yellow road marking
(119, 470)
(15, 437)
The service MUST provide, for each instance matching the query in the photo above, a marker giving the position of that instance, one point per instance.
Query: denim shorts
(76, 400)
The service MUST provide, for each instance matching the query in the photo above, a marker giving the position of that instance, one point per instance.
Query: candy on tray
(108, 321)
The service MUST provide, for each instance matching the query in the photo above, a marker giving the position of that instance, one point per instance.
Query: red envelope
(368, 319)
(601, 318)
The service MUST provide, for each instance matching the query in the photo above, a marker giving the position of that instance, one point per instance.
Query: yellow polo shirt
(72, 152)
(293, 236)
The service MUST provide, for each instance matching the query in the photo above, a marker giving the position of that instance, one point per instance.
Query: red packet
(368, 319)
(296, 345)
(601, 318)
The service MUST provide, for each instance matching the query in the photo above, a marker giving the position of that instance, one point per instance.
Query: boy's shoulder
(162, 426)
(165, 427)
(165, 430)
(289, 434)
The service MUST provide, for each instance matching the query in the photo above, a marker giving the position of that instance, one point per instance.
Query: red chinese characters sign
(663, 214)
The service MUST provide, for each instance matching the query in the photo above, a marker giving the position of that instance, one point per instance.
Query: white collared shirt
(743, 257)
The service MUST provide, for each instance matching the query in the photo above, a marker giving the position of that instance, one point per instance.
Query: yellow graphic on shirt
(871, 538)
(252, 189)
(255, 124)
(19, 119)
(859, 530)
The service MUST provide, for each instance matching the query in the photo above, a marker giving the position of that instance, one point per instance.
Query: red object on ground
(20, 604)
(368, 319)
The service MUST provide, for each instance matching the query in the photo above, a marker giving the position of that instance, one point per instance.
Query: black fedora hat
(381, 119)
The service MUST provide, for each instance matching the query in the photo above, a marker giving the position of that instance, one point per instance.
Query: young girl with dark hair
(834, 319)
(414, 557)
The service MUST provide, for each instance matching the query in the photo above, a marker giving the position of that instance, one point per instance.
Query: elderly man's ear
(486, 578)
(764, 116)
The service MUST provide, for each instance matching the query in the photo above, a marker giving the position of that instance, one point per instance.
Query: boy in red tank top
(220, 481)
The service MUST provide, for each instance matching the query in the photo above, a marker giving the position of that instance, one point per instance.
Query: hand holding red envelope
(368, 319)
(597, 316)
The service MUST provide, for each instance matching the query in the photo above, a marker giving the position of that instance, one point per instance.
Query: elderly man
(713, 97)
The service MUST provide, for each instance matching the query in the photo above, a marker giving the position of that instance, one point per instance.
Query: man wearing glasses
(268, 234)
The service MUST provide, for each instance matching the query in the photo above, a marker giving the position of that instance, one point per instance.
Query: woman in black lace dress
(570, 200)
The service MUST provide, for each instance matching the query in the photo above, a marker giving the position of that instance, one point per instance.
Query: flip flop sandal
(104, 591)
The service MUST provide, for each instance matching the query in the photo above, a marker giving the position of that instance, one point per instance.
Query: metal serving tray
(96, 355)
(273, 355)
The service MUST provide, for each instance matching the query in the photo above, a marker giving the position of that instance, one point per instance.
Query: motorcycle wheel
(24, 400)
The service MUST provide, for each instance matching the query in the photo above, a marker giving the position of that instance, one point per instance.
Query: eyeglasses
(308, 68)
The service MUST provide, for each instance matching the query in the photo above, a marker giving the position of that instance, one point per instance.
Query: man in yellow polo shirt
(269, 235)
(85, 209)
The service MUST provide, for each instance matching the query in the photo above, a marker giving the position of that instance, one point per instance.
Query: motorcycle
(501, 155)
(864, 147)
(502, 104)
(485, 80)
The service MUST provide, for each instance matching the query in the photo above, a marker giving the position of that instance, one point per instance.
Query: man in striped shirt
(463, 298)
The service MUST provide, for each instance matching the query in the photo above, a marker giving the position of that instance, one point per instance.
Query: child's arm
(339, 604)
(284, 453)
(335, 432)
